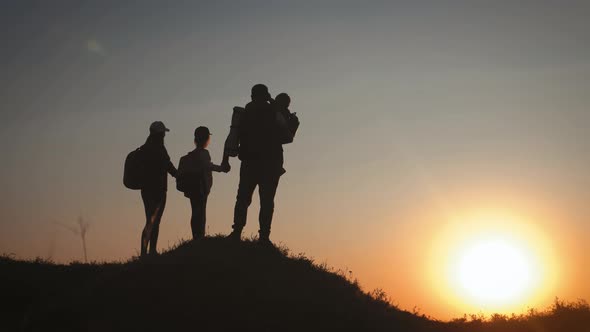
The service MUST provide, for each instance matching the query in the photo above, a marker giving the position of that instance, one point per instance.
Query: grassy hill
(215, 285)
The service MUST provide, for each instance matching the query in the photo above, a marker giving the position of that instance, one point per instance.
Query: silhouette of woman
(153, 193)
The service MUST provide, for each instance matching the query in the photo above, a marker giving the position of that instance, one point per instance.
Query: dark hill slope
(211, 285)
(215, 285)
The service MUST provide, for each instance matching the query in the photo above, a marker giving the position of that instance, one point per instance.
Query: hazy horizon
(418, 120)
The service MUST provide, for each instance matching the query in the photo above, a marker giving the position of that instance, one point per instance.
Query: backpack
(189, 181)
(134, 174)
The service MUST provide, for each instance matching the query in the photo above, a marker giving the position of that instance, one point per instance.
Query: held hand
(225, 167)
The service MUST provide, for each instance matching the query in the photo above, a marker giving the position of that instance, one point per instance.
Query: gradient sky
(416, 115)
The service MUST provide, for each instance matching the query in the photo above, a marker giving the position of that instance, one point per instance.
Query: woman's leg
(158, 213)
(148, 206)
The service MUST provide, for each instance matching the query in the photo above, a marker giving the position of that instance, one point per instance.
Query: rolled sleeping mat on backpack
(232, 141)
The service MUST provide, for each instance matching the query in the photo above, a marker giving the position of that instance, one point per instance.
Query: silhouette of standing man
(261, 153)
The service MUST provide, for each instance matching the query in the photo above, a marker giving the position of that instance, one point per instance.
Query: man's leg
(267, 191)
(246, 188)
(158, 213)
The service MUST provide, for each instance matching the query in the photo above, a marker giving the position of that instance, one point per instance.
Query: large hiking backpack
(231, 146)
(134, 174)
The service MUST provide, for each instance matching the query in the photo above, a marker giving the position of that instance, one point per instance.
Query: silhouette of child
(195, 179)
(288, 122)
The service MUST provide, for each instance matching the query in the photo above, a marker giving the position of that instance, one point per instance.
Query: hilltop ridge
(208, 285)
(217, 285)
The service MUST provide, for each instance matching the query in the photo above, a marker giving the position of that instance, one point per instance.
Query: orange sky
(418, 121)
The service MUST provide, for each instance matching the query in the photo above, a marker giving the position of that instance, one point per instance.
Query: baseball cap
(158, 127)
(202, 133)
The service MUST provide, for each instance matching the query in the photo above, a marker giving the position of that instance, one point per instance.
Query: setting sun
(495, 271)
(493, 262)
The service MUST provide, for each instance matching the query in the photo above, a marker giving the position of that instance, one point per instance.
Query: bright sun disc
(493, 262)
(495, 271)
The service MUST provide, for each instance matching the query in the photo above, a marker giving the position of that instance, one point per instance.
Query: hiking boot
(234, 236)
(265, 241)
(198, 237)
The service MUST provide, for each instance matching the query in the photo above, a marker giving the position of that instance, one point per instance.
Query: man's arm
(206, 162)
(219, 168)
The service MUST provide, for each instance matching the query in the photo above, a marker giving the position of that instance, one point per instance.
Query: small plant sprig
(81, 230)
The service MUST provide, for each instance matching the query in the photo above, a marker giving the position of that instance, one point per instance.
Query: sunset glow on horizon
(443, 154)
(495, 264)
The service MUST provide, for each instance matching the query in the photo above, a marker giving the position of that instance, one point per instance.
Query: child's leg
(203, 224)
(198, 218)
